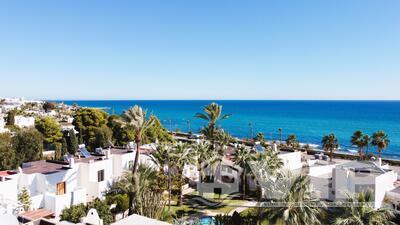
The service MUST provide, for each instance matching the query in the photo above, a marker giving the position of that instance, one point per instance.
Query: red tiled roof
(43, 167)
(37, 214)
(5, 173)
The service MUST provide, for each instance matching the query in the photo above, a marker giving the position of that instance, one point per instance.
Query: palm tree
(292, 142)
(181, 155)
(135, 119)
(260, 137)
(146, 201)
(221, 140)
(212, 114)
(330, 143)
(204, 155)
(367, 140)
(160, 156)
(243, 157)
(359, 211)
(270, 161)
(280, 136)
(358, 140)
(380, 140)
(300, 207)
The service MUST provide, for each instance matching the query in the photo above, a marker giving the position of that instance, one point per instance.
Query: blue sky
(200, 49)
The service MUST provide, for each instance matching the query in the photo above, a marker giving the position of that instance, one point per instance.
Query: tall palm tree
(358, 140)
(243, 157)
(300, 208)
(380, 140)
(367, 141)
(212, 114)
(221, 141)
(204, 156)
(146, 201)
(359, 211)
(292, 141)
(160, 156)
(330, 143)
(181, 155)
(135, 119)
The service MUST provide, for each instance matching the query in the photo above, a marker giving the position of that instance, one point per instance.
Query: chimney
(380, 162)
(71, 162)
(275, 147)
(107, 153)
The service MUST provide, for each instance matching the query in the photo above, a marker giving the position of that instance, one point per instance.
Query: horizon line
(361, 100)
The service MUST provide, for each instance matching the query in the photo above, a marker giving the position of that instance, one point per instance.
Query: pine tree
(25, 199)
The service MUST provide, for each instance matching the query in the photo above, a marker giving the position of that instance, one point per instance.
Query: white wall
(384, 183)
(291, 160)
(22, 121)
(121, 163)
(88, 177)
(9, 189)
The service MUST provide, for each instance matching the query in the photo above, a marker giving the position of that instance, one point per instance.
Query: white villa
(24, 121)
(354, 177)
(221, 178)
(55, 185)
(336, 182)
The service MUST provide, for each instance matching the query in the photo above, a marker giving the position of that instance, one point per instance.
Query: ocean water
(309, 120)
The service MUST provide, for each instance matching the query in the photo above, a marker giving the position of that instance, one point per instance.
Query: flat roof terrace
(44, 167)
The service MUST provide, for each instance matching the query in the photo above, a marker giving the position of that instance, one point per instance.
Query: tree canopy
(28, 145)
(7, 152)
(50, 129)
(90, 122)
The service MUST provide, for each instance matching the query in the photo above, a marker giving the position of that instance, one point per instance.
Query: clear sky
(203, 49)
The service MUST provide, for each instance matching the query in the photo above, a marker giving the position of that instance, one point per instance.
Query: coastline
(310, 120)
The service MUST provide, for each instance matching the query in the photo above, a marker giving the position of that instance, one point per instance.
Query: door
(61, 188)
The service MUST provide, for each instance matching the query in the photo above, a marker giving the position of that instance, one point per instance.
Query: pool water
(207, 220)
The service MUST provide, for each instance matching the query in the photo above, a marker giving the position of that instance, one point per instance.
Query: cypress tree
(64, 147)
(72, 142)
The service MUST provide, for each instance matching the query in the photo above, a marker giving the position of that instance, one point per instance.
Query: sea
(308, 120)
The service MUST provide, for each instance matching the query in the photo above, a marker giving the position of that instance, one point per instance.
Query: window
(100, 175)
(61, 188)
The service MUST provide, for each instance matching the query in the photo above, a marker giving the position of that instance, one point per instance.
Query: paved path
(242, 208)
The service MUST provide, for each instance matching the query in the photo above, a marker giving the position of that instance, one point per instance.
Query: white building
(221, 178)
(9, 193)
(24, 121)
(55, 185)
(353, 177)
(2, 124)
(52, 185)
